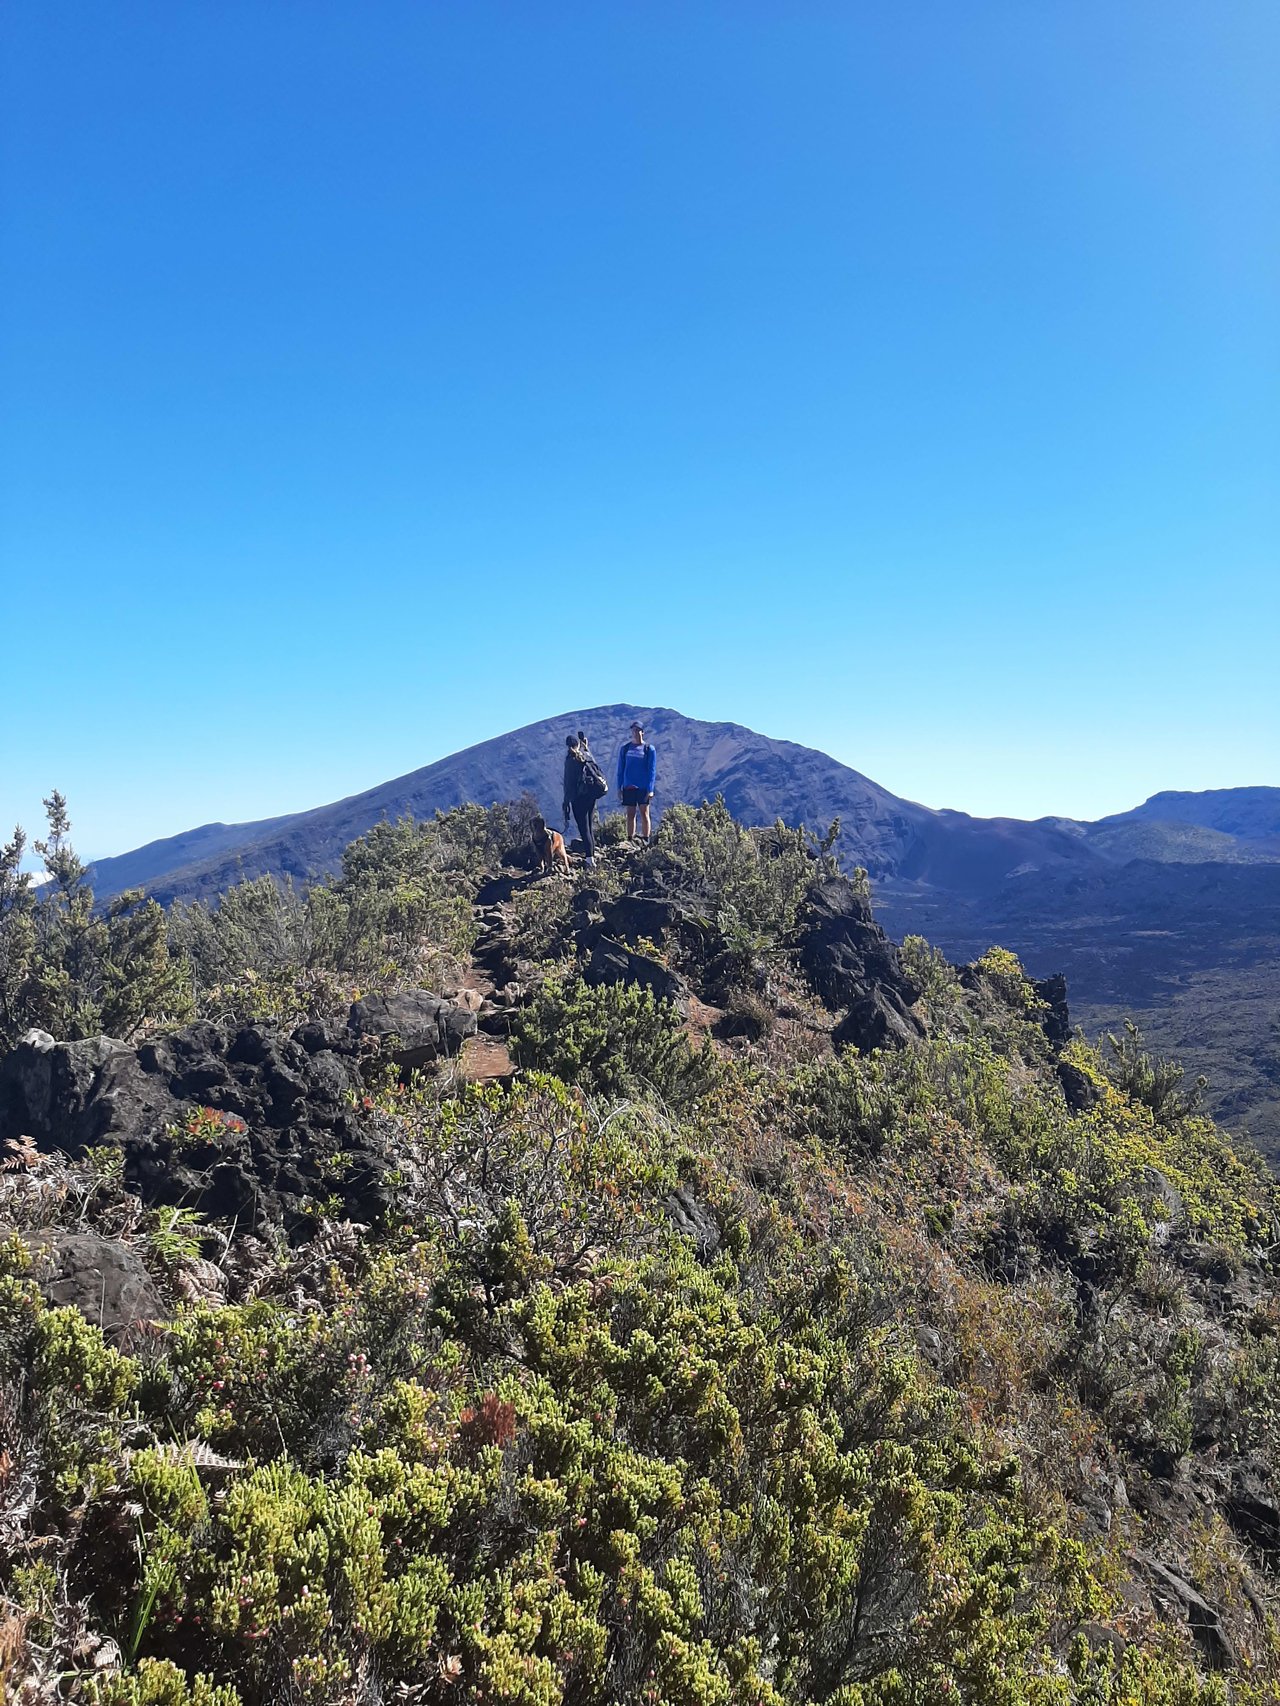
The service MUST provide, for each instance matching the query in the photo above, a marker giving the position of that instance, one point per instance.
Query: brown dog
(550, 845)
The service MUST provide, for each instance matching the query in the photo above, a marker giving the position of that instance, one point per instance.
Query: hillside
(1173, 843)
(1250, 814)
(1140, 909)
(1189, 950)
(685, 1297)
(1221, 825)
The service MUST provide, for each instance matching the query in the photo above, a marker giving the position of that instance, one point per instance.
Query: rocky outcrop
(877, 1019)
(1055, 1018)
(851, 963)
(286, 1137)
(633, 918)
(1176, 1598)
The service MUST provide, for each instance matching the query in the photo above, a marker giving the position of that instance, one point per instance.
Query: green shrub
(157, 1682)
(751, 880)
(1156, 1083)
(71, 968)
(396, 913)
(611, 829)
(617, 1040)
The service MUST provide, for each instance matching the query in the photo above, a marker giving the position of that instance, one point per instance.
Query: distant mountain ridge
(1251, 814)
(760, 778)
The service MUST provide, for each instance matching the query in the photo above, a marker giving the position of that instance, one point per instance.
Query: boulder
(1176, 1597)
(26, 1087)
(877, 1019)
(613, 962)
(414, 1027)
(101, 1277)
(319, 1036)
(1102, 1638)
(633, 917)
(47, 1086)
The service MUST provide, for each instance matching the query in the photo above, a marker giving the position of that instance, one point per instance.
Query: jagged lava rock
(851, 963)
(417, 1028)
(287, 1097)
(613, 962)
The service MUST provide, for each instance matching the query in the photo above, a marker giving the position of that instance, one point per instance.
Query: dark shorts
(635, 797)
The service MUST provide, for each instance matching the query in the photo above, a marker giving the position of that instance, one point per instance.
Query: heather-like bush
(646, 1479)
(751, 880)
(397, 912)
(1157, 1084)
(618, 1040)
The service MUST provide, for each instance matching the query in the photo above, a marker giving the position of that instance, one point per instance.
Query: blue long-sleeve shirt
(637, 766)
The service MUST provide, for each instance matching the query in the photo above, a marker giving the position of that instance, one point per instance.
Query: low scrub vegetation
(663, 1372)
(398, 912)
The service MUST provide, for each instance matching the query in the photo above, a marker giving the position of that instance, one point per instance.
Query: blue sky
(901, 380)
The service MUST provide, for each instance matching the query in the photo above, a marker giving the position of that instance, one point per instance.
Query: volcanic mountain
(761, 780)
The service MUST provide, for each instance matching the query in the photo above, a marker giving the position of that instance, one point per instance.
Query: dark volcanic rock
(694, 1220)
(497, 889)
(1055, 1021)
(71, 1096)
(1178, 1598)
(851, 963)
(285, 1102)
(1252, 1508)
(612, 962)
(1077, 1087)
(877, 1019)
(416, 1028)
(107, 1282)
(635, 916)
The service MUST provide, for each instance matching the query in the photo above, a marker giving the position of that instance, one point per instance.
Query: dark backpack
(592, 785)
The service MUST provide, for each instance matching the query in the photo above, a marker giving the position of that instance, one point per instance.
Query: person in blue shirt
(637, 772)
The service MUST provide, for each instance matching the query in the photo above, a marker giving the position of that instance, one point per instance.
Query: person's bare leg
(631, 821)
(644, 823)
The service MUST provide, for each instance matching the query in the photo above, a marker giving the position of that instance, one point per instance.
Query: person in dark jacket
(637, 772)
(579, 798)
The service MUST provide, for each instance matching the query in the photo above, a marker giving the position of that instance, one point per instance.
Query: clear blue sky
(899, 379)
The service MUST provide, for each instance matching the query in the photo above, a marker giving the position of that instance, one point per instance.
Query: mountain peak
(761, 779)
